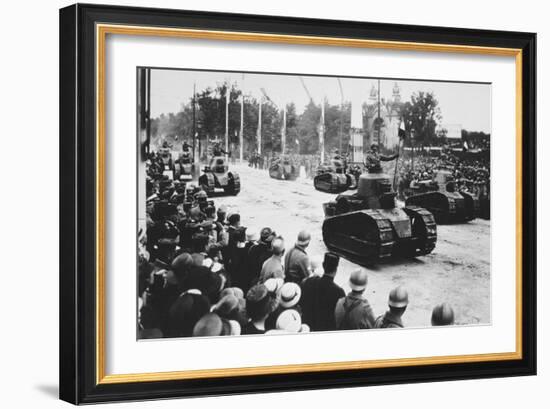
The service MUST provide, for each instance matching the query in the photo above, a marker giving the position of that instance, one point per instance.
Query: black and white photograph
(286, 203)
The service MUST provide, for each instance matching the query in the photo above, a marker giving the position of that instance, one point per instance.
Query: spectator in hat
(273, 266)
(230, 308)
(259, 253)
(288, 298)
(291, 321)
(397, 303)
(205, 280)
(274, 286)
(354, 311)
(236, 258)
(259, 304)
(297, 264)
(181, 266)
(443, 314)
(211, 325)
(320, 295)
(185, 312)
(199, 242)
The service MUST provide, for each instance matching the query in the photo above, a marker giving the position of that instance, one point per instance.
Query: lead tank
(447, 204)
(367, 227)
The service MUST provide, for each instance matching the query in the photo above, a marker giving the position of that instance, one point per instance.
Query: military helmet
(358, 279)
(398, 298)
(443, 314)
(374, 146)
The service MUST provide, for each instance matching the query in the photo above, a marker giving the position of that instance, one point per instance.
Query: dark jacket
(388, 320)
(296, 265)
(353, 312)
(257, 254)
(319, 298)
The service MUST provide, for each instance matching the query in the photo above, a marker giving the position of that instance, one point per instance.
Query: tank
(217, 180)
(332, 178)
(367, 227)
(284, 169)
(445, 202)
(184, 167)
(167, 162)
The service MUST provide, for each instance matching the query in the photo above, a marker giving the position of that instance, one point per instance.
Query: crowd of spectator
(470, 173)
(202, 273)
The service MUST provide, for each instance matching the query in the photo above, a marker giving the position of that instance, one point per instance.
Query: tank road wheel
(233, 184)
(424, 231)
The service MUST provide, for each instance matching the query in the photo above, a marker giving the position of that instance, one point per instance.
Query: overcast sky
(464, 104)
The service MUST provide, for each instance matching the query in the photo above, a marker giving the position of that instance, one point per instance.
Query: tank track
(236, 183)
(385, 233)
(430, 228)
(210, 183)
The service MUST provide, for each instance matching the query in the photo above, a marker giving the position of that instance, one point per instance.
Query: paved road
(458, 270)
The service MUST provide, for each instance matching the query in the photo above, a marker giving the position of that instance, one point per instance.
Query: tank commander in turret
(185, 147)
(218, 151)
(373, 158)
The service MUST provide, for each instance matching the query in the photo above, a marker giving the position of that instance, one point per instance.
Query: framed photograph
(258, 203)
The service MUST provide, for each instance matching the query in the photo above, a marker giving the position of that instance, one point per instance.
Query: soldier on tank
(373, 159)
(218, 151)
(185, 147)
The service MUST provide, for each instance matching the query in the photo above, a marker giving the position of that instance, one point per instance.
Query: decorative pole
(260, 127)
(226, 118)
(241, 138)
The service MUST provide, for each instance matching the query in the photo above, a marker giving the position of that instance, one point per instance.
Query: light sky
(464, 104)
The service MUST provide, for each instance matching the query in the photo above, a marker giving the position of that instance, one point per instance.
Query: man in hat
(320, 295)
(297, 265)
(185, 312)
(211, 325)
(397, 302)
(259, 253)
(273, 266)
(443, 314)
(259, 304)
(354, 311)
(230, 307)
(373, 158)
(288, 298)
(291, 321)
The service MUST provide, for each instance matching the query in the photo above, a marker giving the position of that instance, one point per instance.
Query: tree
(422, 115)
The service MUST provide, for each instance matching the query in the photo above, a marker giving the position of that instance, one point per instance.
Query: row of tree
(420, 114)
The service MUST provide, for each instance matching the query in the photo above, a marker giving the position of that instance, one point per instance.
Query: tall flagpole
(226, 119)
(194, 121)
(322, 132)
(379, 126)
(260, 127)
(283, 132)
(241, 138)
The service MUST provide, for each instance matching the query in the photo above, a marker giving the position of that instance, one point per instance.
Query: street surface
(457, 271)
